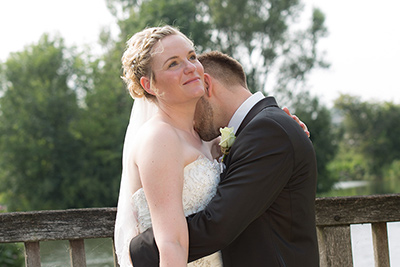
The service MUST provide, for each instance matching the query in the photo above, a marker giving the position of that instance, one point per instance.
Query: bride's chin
(199, 93)
(195, 96)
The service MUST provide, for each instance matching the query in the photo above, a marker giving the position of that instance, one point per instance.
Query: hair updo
(136, 60)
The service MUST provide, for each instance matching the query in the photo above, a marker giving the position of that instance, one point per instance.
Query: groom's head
(226, 90)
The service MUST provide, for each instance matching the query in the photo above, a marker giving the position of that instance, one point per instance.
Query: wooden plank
(77, 253)
(32, 254)
(357, 210)
(335, 246)
(57, 225)
(99, 222)
(381, 245)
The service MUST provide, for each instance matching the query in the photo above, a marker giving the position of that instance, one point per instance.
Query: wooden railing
(73, 225)
(334, 217)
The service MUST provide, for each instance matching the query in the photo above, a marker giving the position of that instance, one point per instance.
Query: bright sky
(23, 22)
(363, 46)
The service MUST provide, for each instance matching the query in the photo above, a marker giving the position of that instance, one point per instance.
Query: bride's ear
(208, 86)
(146, 84)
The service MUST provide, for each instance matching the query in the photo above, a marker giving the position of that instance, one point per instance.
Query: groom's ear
(208, 86)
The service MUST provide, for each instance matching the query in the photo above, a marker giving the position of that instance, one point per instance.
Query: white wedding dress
(201, 178)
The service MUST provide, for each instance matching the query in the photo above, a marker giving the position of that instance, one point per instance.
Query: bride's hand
(302, 124)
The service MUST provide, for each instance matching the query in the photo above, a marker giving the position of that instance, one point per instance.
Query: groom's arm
(144, 251)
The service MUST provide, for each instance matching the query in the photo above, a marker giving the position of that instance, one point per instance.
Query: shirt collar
(242, 111)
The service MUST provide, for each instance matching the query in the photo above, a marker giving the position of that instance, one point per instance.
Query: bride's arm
(161, 164)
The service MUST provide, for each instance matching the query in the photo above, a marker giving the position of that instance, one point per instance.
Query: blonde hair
(137, 58)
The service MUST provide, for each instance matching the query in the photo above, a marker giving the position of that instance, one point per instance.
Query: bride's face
(178, 75)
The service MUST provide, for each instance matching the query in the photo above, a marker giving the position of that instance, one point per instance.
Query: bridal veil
(126, 225)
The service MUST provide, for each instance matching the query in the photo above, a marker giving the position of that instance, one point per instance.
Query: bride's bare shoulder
(157, 130)
(157, 136)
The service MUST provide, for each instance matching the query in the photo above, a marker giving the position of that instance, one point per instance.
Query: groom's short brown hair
(224, 68)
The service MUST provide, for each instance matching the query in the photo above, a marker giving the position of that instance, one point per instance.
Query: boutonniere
(227, 139)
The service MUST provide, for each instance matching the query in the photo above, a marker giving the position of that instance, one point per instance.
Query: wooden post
(335, 246)
(32, 254)
(381, 247)
(77, 253)
(322, 247)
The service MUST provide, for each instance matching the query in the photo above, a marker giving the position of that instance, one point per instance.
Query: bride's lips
(195, 79)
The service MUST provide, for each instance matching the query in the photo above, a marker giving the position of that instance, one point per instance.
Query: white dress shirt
(242, 111)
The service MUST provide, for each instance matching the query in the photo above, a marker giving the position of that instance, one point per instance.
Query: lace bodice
(201, 178)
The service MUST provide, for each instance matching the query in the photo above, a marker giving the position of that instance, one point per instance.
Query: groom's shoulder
(271, 112)
(273, 117)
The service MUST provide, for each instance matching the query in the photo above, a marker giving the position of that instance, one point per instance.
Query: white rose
(227, 139)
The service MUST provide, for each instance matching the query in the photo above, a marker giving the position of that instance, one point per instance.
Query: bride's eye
(193, 57)
(172, 64)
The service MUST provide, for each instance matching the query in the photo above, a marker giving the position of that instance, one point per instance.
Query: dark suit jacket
(263, 213)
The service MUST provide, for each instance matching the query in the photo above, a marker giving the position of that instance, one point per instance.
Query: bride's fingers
(305, 129)
(291, 115)
(287, 111)
(302, 124)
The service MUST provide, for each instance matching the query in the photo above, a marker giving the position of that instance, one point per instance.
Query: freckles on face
(176, 68)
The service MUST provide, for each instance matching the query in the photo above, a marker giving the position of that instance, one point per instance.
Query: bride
(168, 171)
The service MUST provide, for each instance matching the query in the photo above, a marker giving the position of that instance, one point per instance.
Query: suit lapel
(262, 104)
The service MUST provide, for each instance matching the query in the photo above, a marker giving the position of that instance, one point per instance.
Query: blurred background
(64, 109)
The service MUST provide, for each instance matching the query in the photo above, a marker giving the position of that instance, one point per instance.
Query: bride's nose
(189, 67)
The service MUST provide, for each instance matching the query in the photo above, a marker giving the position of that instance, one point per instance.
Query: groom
(263, 213)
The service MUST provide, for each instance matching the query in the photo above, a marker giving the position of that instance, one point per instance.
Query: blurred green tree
(371, 129)
(324, 135)
(37, 148)
(100, 130)
(64, 117)
(12, 255)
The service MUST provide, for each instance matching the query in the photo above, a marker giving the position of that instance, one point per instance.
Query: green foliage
(348, 165)
(100, 132)
(371, 132)
(37, 109)
(392, 177)
(324, 136)
(59, 150)
(372, 129)
(12, 255)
